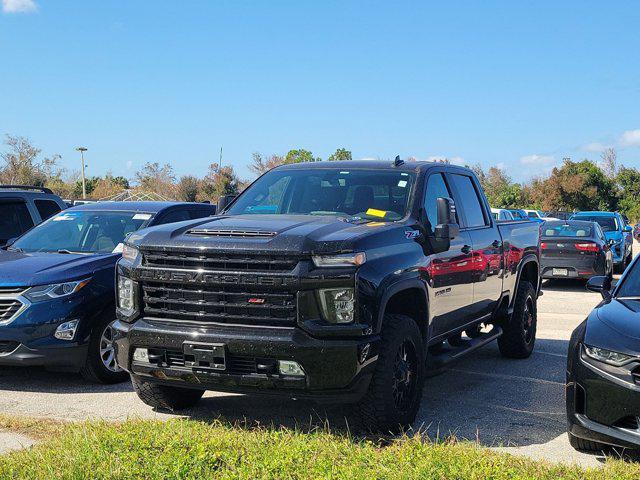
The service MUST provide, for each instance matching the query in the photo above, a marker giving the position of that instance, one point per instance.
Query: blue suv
(616, 232)
(57, 285)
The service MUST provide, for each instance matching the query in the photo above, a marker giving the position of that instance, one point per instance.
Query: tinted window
(175, 216)
(436, 188)
(559, 229)
(374, 194)
(14, 220)
(47, 208)
(631, 285)
(199, 213)
(469, 199)
(608, 224)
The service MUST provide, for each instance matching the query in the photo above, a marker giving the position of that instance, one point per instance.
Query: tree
(218, 182)
(156, 178)
(108, 186)
(609, 162)
(22, 165)
(261, 164)
(340, 154)
(188, 188)
(629, 181)
(299, 156)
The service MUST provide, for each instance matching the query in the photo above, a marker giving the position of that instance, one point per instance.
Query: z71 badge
(411, 234)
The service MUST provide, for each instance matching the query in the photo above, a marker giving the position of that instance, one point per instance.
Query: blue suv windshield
(82, 232)
(380, 195)
(608, 224)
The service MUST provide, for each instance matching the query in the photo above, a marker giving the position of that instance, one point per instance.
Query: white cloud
(129, 164)
(19, 6)
(630, 138)
(537, 160)
(595, 147)
(442, 158)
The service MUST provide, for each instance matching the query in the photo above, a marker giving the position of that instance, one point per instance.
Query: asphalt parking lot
(517, 405)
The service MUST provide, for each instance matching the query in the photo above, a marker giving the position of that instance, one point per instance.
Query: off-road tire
(378, 411)
(519, 332)
(162, 397)
(94, 370)
(583, 445)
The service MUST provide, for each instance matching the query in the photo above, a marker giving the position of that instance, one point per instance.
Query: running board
(436, 362)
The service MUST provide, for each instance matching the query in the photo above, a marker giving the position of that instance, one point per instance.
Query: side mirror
(446, 228)
(600, 284)
(628, 228)
(223, 202)
(10, 242)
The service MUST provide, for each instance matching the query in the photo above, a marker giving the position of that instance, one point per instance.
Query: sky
(519, 85)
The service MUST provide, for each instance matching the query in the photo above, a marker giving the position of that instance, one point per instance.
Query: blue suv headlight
(56, 290)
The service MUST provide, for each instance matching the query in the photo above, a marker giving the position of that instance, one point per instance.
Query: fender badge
(258, 301)
(411, 234)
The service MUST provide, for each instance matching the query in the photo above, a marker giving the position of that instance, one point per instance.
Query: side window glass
(436, 187)
(470, 201)
(47, 208)
(14, 220)
(175, 216)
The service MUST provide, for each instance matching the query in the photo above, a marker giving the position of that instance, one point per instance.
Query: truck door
(447, 274)
(485, 240)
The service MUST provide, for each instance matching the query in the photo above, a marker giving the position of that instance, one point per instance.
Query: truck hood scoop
(217, 232)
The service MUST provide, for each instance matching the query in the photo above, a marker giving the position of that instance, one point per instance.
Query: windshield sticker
(142, 216)
(64, 217)
(376, 213)
(402, 183)
(118, 248)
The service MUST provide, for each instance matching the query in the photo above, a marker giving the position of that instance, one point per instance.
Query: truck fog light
(67, 330)
(291, 368)
(141, 355)
(337, 304)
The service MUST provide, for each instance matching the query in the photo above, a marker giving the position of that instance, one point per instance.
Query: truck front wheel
(391, 403)
(519, 331)
(163, 397)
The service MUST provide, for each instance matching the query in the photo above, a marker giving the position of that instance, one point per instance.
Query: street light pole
(84, 185)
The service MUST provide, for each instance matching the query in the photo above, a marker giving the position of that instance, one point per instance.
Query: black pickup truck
(337, 281)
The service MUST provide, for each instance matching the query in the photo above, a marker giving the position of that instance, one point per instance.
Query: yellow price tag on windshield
(376, 213)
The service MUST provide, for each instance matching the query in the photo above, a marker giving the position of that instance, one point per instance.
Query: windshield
(631, 285)
(82, 232)
(559, 229)
(376, 194)
(608, 224)
(533, 215)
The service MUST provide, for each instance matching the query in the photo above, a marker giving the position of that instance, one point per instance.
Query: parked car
(22, 207)
(559, 215)
(330, 281)
(501, 215)
(574, 249)
(519, 214)
(537, 215)
(636, 232)
(603, 368)
(57, 285)
(615, 232)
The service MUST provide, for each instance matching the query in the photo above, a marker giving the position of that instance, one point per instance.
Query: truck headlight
(342, 260)
(337, 304)
(130, 253)
(126, 296)
(56, 290)
(607, 356)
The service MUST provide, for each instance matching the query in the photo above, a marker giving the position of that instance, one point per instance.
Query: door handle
(466, 249)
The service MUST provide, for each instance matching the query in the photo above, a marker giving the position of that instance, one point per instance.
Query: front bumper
(71, 356)
(601, 405)
(336, 370)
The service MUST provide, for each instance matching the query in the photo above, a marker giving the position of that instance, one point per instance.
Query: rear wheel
(163, 397)
(519, 332)
(391, 403)
(100, 365)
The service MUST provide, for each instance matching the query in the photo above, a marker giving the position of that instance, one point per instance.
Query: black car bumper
(70, 357)
(602, 406)
(335, 370)
(559, 270)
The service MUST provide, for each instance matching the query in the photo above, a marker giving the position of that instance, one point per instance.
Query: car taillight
(543, 245)
(588, 247)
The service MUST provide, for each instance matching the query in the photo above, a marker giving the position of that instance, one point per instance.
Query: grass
(192, 449)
